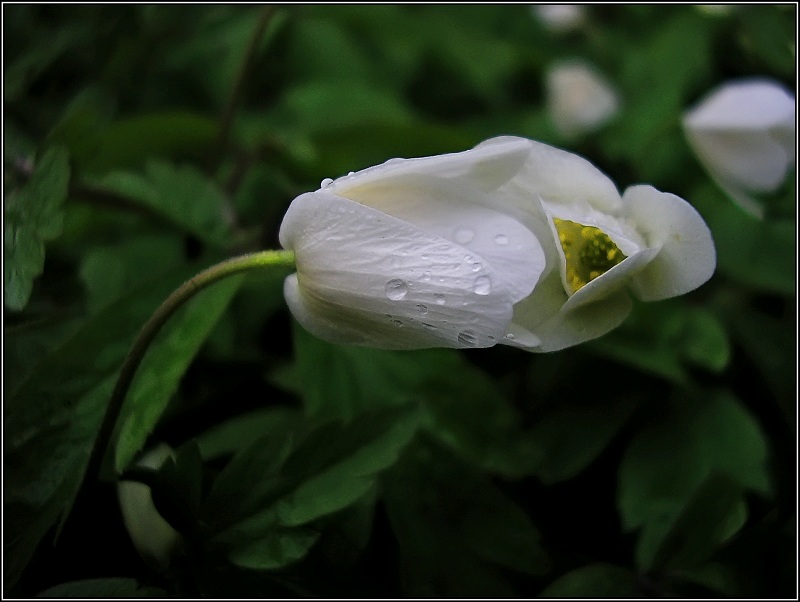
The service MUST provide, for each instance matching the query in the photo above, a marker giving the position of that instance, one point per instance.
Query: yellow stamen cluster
(588, 250)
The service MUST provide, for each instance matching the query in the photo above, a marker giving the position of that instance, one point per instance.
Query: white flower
(579, 99)
(153, 537)
(560, 18)
(511, 242)
(744, 134)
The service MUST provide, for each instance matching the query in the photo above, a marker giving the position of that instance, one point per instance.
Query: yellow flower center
(588, 250)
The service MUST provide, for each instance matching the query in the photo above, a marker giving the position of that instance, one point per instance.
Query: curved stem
(179, 296)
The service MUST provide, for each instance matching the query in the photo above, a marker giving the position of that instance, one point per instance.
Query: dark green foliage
(143, 143)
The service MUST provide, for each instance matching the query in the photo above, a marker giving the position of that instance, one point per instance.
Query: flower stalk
(229, 267)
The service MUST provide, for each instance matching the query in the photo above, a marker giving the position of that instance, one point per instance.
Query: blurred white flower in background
(579, 99)
(744, 135)
(512, 242)
(560, 18)
(152, 536)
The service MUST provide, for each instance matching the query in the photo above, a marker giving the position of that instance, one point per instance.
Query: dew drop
(510, 336)
(426, 276)
(464, 235)
(468, 338)
(326, 182)
(423, 309)
(429, 326)
(396, 289)
(469, 258)
(439, 298)
(476, 267)
(483, 286)
(501, 239)
(398, 323)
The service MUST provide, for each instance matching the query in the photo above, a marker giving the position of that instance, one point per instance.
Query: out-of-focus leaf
(181, 194)
(768, 33)
(177, 489)
(34, 59)
(673, 455)
(275, 550)
(594, 581)
(132, 141)
(52, 417)
(165, 363)
(268, 494)
(753, 252)
(716, 511)
(111, 270)
(464, 407)
(108, 588)
(660, 338)
(771, 343)
(333, 465)
(241, 431)
(573, 435)
(32, 216)
(455, 528)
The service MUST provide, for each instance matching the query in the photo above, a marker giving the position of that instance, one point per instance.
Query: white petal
(555, 175)
(756, 161)
(687, 257)
(368, 278)
(754, 104)
(439, 207)
(542, 315)
(480, 168)
(579, 98)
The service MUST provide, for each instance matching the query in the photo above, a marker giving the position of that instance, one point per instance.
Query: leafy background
(143, 143)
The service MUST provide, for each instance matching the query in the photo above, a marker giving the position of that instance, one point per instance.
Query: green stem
(235, 265)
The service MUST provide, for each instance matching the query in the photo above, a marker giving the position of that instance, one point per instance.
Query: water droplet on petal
(476, 267)
(468, 338)
(429, 326)
(464, 235)
(326, 182)
(510, 336)
(501, 239)
(398, 323)
(483, 286)
(396, 289)
(469, 258)
(439, 298)
(423, 309)
(426, 276)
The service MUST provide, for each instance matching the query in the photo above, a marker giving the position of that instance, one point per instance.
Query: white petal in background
(744, 135)
(153, 537)
(579, 99)
(560, 18)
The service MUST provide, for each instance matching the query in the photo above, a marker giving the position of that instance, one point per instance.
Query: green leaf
(714, 513)
(242, 431)
(182, 195)
(33, 216)
(130, 142)
(658, 477)
(464, 408)
(769, 33)
(594, 581)
(274, 550)
(574, 434)
(110, 271)
(455, 528)
(52, 416)
(160, 373)
(108, 588)
(661, 338)
(177, 489)
(753, 252)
